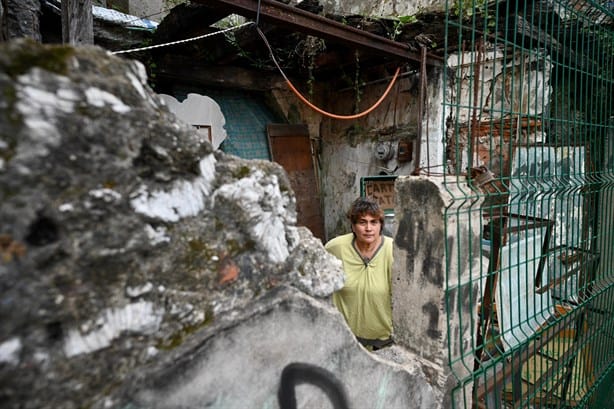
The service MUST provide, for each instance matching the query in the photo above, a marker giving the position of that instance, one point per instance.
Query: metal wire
(528, 123)
(151, 47)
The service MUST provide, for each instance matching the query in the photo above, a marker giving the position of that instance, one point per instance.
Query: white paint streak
(137, 291)
(66, 94)
(39, 109)
(107, 195)
(157, 235)
(265, 206)
(66, 207)
(100, 98)
(9, 351)
(33, 100)
(136, 83)
(43, 131)
(139, 317)
(207, 168)
(141, 72)
(186, 198)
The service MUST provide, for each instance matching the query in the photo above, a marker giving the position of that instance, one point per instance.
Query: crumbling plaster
(505, 88)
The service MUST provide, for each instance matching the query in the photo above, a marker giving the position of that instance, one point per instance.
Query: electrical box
(404, 151)
(384, 151)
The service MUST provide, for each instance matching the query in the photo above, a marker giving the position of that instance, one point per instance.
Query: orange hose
(335, 116)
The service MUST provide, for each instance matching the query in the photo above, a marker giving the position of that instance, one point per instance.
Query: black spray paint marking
(296, 373)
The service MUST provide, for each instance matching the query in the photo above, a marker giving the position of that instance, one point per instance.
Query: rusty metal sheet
(291, 148)
(280, 14)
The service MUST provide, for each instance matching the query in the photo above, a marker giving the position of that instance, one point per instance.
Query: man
(366, 254)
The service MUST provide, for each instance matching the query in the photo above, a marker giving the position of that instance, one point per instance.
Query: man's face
(367, 229)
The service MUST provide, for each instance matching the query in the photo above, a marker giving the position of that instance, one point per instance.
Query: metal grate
(529, 122)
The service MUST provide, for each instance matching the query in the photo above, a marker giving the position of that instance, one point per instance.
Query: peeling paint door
(291, 148)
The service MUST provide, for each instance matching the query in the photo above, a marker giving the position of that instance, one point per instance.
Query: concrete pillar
(435, 286)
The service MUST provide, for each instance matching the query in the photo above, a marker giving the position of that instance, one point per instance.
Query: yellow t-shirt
(365, 299)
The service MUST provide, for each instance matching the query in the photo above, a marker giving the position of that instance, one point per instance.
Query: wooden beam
(280, 14)
(77, 22)
(179, 68)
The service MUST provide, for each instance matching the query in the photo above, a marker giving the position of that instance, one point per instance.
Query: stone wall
(140, 268)
(121, 231)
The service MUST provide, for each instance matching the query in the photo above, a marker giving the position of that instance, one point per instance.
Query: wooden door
(291, 148)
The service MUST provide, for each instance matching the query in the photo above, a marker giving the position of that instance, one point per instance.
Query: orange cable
(312, 106)
(335, 116)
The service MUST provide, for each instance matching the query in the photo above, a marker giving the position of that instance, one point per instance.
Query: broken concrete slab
(238, 362)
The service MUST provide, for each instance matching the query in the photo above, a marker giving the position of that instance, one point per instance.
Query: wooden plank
(291, 148)
(77, 22)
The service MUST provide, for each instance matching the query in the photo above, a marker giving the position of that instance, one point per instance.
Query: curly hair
(365, 206)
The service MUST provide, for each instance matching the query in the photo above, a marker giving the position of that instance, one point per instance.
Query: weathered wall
(503, 89)
(201, 112)
(348, 147)
(154, 10)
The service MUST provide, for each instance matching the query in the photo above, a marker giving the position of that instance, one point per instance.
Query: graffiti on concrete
(297, 373)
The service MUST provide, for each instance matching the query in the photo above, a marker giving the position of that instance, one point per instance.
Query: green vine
(358, 84)
(308, 50)
(476, 9)
(399, 24)
(256, 62)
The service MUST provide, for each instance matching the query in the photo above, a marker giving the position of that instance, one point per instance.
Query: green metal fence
(529, 124)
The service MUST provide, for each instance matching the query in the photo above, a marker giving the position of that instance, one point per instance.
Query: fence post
(433, 298)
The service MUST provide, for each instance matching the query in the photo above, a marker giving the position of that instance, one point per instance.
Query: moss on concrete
(31, 54)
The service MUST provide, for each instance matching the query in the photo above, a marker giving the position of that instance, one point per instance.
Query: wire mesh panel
(529, 130)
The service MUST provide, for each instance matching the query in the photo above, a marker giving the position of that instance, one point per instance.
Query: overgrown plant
(256, 62)
(399, 23)
(308, 50)
(358, 84)
(476, 10)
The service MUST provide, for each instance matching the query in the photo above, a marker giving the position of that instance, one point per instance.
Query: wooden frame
(206, 129)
